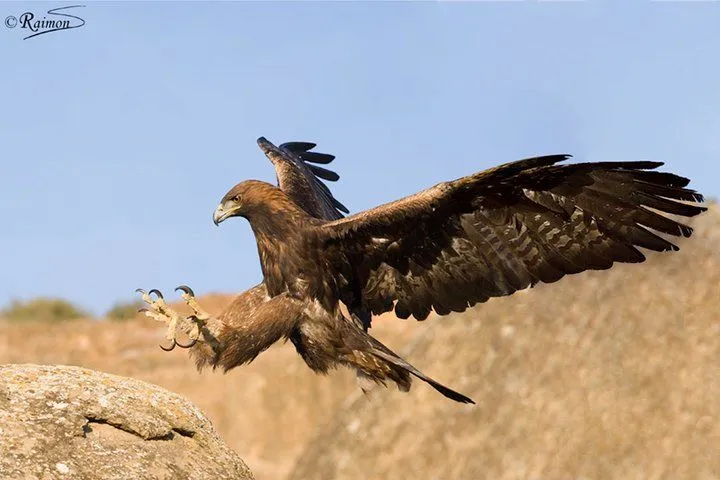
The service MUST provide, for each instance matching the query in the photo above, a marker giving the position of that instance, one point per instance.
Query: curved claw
(186, 289)
(171, 347)
(142, 310)
(140, 290)
(188, 345)
(156, 292)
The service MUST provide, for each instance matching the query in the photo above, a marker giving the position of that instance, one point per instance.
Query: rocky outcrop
(72, 423)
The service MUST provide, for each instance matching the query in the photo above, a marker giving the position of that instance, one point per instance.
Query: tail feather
(399, 362)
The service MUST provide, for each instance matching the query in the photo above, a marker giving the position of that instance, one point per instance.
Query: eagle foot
(160, 311)
(189, 296)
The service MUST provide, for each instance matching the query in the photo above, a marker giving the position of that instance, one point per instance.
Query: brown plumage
(452, 246)
(256, 319)
(444, 249)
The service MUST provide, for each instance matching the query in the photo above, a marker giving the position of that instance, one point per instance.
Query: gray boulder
(61, 422)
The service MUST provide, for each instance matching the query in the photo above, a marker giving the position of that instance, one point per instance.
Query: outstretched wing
(502, 230)
(300, 178)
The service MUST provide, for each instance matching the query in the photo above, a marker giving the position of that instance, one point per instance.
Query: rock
(62, 422)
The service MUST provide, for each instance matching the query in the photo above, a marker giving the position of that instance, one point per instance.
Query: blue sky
(119, 138)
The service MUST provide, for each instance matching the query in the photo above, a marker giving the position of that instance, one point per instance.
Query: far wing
(300, 177)
(502, 230)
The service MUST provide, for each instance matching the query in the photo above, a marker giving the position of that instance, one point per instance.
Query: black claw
(156, 292)
(171, 347)
(140, 290)
(186, 289)
(189, 345)
(142, 310)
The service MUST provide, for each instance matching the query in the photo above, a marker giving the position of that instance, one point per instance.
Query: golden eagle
(445, 249)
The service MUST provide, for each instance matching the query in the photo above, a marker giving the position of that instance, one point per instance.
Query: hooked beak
(225, 210)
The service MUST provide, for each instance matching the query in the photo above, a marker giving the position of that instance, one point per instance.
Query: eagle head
(232, 204)
(250, 199)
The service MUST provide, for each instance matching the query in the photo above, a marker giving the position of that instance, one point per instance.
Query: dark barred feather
(302, 181)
